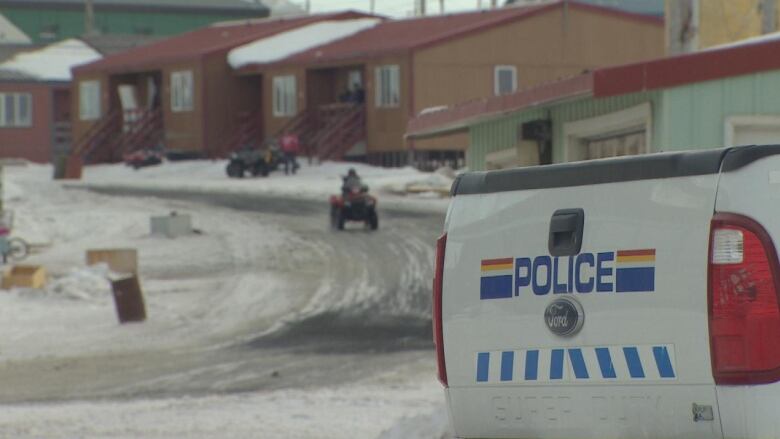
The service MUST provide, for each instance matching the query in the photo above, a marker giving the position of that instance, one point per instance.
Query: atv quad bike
(255, 161)
(354, 204)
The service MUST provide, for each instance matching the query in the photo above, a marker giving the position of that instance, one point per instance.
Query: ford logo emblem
(564, 316)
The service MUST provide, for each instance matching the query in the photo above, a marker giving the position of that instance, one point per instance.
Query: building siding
(575, 40)
(496, 135)
(694, 115)
(33, 142)
(184, 131)
(502, 133)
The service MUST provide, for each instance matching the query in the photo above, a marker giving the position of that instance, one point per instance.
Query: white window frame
(19, 120)
(577, 132)
(388, 86)
(182, 91)
(89, 100)
(733, 123)
(496, 83)
(285, 96)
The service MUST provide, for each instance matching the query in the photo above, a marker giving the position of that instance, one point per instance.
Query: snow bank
(360, 410)
(395, 187)
(285, 44)
(427, 426)
(83, 283)
(53, 62)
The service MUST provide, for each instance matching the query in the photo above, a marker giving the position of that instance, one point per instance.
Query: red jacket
(290, 143)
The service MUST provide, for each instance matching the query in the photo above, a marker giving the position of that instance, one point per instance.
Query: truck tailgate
(597, 342)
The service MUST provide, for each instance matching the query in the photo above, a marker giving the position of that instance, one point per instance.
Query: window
(505, 80)
(15, 110)
(285, 96)
(388, 86)
(181, 91)
(89, 100)
(624, 132)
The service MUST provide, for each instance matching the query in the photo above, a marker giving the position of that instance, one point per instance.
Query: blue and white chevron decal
(577, 364)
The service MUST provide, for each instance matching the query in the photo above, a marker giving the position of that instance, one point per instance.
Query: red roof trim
(455, 117)
(686, 69)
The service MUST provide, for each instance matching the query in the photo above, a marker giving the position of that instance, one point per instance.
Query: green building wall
(687, 117)
(70, 23)
(501, 133)
(694, 115)
(496, 135)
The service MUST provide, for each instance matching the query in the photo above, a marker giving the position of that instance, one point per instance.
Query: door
(129, 101)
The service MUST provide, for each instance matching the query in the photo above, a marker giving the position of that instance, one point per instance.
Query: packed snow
(285, 44)
(74, 314)
(53, 62)
(406, 187)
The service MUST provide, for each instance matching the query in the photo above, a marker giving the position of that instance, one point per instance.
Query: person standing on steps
(290, 149)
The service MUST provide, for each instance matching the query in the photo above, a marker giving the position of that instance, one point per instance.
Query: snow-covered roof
(280, 8)
(10, 34)
(285, 44)
(53, 62)
(766, 38)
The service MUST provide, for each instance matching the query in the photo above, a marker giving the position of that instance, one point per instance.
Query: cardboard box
(119, 260)
(25, 276)
(172, 226)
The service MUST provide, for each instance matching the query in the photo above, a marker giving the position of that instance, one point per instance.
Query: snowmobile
(354, 204)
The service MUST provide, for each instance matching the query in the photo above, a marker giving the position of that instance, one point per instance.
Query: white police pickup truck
(633, 298)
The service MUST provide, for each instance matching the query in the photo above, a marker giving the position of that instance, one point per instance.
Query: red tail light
(438, 332)
(744, 288)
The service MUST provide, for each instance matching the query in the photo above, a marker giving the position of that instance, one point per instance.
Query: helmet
(352, 172)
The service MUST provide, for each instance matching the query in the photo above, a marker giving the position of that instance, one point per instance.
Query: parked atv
(143, 158)
(255, 161)
(354, 204)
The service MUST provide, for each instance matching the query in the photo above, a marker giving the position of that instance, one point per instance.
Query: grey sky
(397, 8)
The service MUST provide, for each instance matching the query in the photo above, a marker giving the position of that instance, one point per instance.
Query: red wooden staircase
(248, 134)
(119, 133)
(144, 132)
(328, 131)
(94, 145)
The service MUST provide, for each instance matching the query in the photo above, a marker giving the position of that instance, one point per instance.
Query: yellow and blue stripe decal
(599, 364)
(496, 280)
(635, 270)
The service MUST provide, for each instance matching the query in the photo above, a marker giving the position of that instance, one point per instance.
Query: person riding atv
(354, 204)
(350, 181)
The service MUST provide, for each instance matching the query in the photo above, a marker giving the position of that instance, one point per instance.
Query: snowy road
(266, 324)
(356, 302)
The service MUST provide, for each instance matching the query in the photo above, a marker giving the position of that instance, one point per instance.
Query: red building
(35, 100)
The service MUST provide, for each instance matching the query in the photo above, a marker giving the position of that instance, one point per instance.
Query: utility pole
(308, 6)
(493, 4)
(372, 4)
(441, 6)
(422, 8)
(89, 18)
(768, 16)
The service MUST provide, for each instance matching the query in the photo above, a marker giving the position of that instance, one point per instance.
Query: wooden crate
(25, 276)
